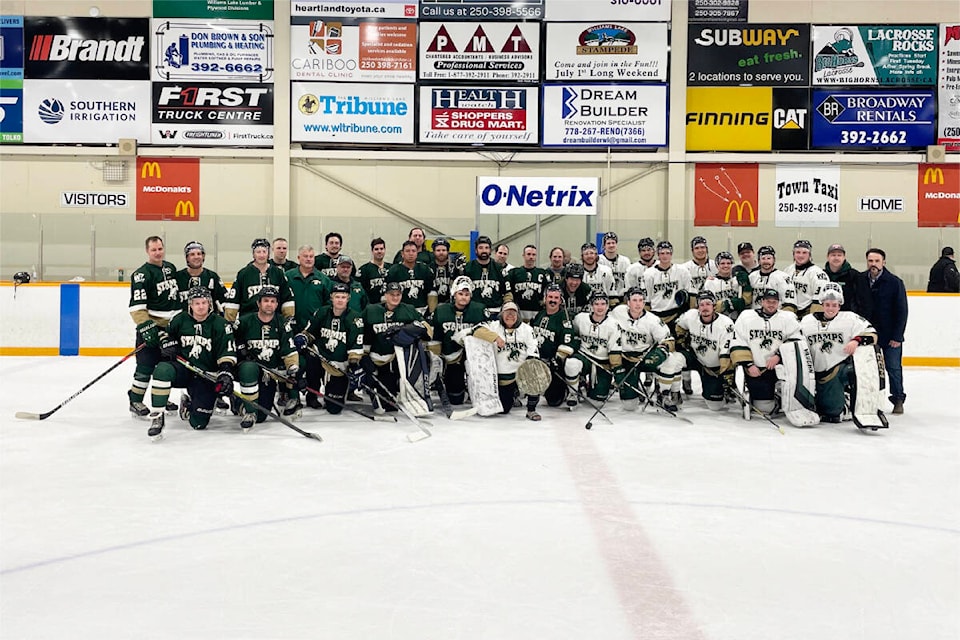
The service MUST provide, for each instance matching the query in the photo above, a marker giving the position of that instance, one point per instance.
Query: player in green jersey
(373, 274)
(489, 288)
(557, 341)
(415, 280)
(576, 293)
(279, 258)
(418, 236)
(197, 275)
(254, 277)
(154, 301)
(527, 284)
(446, 269)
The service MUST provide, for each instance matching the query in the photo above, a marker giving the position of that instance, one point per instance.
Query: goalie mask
(462, 283)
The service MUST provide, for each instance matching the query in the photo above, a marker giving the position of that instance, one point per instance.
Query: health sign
(873, 119)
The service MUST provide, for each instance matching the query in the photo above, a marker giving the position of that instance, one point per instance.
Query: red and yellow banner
(726, 195)
(938, 195)
(168, 189)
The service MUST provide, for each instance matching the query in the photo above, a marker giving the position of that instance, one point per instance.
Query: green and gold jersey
(207, 279)
(206, 344)
(247, 285)
(338, 338)
(373, 279)
(269, 343)
(527, 287)
(377, 320)
(448, 321)
(415, 284)
(154, 293)
(488, 285)
(554, 334)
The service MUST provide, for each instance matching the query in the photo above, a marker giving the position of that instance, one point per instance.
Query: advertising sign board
(606, 51)
(586, 115)
(948, 115)
(213, 114)
(364, 50)
(875, 55)
(808, 196)
(479, 115)
(747, 118)
(77, 111)
(538, 196)
(897, 119)
(86, 48)
(480, 51)
(221, 51)
(168, 189)
(337, 112)
(766, 55)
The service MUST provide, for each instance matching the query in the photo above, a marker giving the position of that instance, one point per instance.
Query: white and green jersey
(662, 285)
(758, 336)
(639, 335)
(710, 342)
(777, 280)
(619, 266)
(599, 340)
(828, 337)
(699, 274)
(807, 281)
(600, 279)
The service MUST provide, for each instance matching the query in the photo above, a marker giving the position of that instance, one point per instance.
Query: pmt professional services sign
(232, 51)
(767, 55)
(747, 118)
(606, 51)
(586, 115)
(76, 111)
(357, 113)
(91, 48)
(875, 55)
(873, 119)
(538, 196)
(213, 114)
(479, 115)
(479, 51)
(808, 196)
(949, 87)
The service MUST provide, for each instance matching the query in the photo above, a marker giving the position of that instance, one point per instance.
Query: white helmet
(832, 291)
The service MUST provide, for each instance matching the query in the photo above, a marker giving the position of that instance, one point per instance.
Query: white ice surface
(494, 528)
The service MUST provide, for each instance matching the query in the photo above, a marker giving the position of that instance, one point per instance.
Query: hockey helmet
(340, 287)
(441, 242)
(21, 277)
(645, 243)
(610, 235)
(664, 245)
(586, 246)
(635, 291)
(198, 292)
(803, 244)
(461, 283)
(832, 291)
(744, 246)
(483, 240)
(553, 286)
(706, 294)
(392, 286)
(193, 245)
(723, 255)
(598, 294)
(769, 293)
(766, 250)
(268, 291)
(573, 270)
(697, 240)
(259, 242)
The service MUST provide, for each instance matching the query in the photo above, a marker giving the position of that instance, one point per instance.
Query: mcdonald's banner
(168, 189)
(726, 195)
(938, 195)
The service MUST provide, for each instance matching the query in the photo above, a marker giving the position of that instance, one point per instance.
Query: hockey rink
(494, 528)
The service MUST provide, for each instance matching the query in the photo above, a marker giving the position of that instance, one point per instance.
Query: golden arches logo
(185, 208)
(933, 175)
(149, 169)
(740, 206)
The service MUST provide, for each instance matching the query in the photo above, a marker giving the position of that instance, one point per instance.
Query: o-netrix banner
(87, 48)
(168, 189)
(763, 55)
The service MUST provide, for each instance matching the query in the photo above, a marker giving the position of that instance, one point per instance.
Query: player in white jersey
(599, 345)
(769, 277)
(834, 336)
(598, 276)
(733, 292)
(700, 266)
(619, 265)
(704, 337)
(648, 256)
(647, 346)
(758, 334)
(807, 278)
(514, 342)
(662, 282)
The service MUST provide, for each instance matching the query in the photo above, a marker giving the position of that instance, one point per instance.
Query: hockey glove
(743, 279)
(406, 335)
(243, 353)
(300, 341)
(682, 298)
(655, 358)
(357, 375)
(224, 385)
(299, 380)
(168, 347)
(150, 333)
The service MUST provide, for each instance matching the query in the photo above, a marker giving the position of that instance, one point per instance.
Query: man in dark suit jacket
(856, 294)
(944, 277)
(889, 318)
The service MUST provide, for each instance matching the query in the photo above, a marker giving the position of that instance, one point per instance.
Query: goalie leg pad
(481, 366)
(798, 384)
(866, 388)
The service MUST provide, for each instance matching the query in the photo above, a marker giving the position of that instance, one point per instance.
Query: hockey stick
(747, 403)
(424, 372)
(197, 371)
(283, 377)
(386, 395)
(576, 391)
(448, 410)
(26, 415)
(613, 380)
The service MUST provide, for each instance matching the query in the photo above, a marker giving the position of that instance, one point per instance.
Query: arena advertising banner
(218, 9)
(726, 195)
(87, 48)
(632, 10)
(11, 47)
(77, 111)
(478, 10)
(938, 195)
(717, 10)
(606, 51)
(11, 79)
(221, 51)
(538, 196)
(747, 119)
(808, 195)
(379, 9)
(881, 55)
(479, 51)
(353, 50)
(324, 112)
(590, 115)
(949, 87)
(479, 115)
(168, 189)
(878, 120)
(94, 199)
(213, 114)
(764, 55)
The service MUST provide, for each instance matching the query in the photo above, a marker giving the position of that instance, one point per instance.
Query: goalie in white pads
(836, 338)
(452, 322)
(647, 346)
(705, 337)
(515, 343)
(769, 346)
